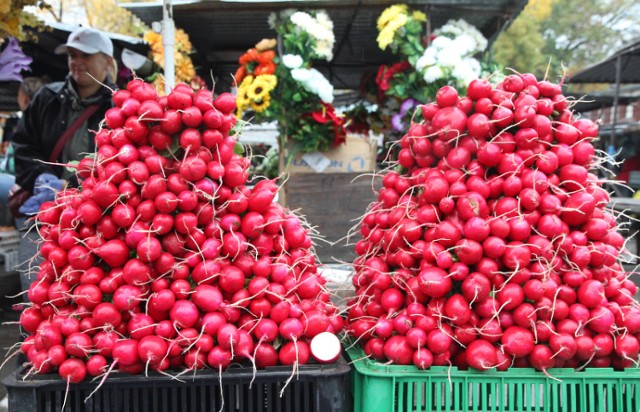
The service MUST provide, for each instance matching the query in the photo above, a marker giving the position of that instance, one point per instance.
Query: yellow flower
(184, 68)
(243, 88)
(419, 16)
(270, 79)
(152, 37)
(242, 99)
(258, 90)
(158, 58)
(391, 13)
(261, 105)
(182, 41)
(266, 44)
(246, 82)
(386, 35)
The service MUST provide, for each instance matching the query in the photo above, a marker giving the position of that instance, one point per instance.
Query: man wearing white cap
(56, 128)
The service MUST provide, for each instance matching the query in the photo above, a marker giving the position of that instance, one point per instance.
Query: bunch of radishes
(490, 245)
(164, 258)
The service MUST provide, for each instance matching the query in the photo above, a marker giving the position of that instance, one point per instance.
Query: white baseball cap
(87, 40)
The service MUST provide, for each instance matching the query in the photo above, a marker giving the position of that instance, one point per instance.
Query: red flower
(250, 56)
(328, 114)
(266, 56)
(385, 73)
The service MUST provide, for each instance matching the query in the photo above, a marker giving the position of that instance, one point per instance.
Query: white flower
(428, 58)
(292, 61)
(465, 44)
(467, 71)
(324, 20)
(441, 42)
(301, 75)
(456, 28)
(324, 49)
(433, 73)
(302, 19)
(314, 82)
(320, 29)
(449, 57)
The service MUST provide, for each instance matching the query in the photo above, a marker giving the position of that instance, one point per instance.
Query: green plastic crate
(395, 388)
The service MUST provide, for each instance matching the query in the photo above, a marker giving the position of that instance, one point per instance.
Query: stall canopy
(603, 99)
(222, 30)
(622, 67)
(605, 71)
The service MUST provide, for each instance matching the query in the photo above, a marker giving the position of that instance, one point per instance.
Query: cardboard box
(358, 155)
(332, 203)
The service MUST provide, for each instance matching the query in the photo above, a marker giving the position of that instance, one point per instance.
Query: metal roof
(605, 71)
(222, 30)
(603, 99)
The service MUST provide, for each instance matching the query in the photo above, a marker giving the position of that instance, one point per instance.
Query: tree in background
(13, 17)
(552, 35)
(105, 15)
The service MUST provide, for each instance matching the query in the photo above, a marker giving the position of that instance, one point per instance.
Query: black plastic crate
(321, 388)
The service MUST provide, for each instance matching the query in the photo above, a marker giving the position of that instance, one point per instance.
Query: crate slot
(320, 388)
(400, 388)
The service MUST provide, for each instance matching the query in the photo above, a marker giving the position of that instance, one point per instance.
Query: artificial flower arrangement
(428, 61)
(184, 69)
(13, 61)
(286, 88)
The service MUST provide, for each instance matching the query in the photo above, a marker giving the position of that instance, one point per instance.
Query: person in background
(58, 126)
(28, 88)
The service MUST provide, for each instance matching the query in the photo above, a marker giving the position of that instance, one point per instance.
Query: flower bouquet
(184, 69)
(283, 86)
(428, 61)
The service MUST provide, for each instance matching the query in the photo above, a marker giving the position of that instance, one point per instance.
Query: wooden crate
(333, 203)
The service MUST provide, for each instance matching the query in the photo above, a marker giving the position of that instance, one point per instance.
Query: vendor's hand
(45, 188)
(14, 189)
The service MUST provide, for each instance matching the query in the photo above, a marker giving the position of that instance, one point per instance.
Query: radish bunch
(164, 258)
(490, 245)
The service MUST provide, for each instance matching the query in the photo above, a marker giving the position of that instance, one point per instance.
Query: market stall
(485, 270)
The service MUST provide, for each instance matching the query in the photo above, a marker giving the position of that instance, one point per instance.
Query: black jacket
(44, 122)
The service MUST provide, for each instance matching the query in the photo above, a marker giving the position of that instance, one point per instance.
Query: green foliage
(551, 36)
(519, 48)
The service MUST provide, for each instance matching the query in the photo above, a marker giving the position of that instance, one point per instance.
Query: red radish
(449, 123)
(73, 370)
(114, 252)
(398, 350)
(541, 358)
(125, 352)
(294, 353)
(97, 365)
(325, 347)
(481, 355)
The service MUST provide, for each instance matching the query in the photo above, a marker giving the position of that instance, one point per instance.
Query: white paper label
(317, 161)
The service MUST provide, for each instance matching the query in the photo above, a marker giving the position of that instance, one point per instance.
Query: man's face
(83, 67)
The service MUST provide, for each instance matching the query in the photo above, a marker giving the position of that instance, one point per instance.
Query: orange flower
(250, 56)
(240, 73)
(266, 56)
(265, 68)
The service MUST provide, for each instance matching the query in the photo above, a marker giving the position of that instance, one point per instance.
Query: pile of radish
(490, 245)
(164, 259)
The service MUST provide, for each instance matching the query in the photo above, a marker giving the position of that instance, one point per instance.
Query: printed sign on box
(357, 155)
